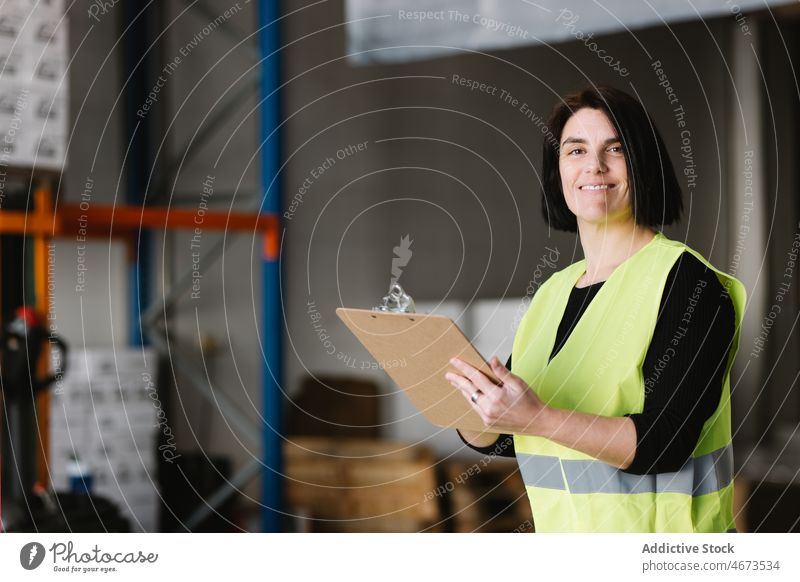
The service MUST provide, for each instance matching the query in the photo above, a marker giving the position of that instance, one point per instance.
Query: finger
(477, 377)
(478, 404)
(466, 387)
(499, 370)
(474, 403)
(461, 383)
(468, 391)
(511, 383)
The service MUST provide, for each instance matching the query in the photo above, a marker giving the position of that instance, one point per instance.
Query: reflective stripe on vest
(699, 476)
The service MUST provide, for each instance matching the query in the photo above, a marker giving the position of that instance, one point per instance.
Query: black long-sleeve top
(682, 390)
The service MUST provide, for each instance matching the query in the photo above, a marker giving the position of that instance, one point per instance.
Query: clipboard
(414, 349)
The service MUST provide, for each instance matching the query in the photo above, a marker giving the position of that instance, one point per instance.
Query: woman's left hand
(511, 404)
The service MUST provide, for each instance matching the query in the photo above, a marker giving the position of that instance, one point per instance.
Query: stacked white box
(104, 411)
(33, 84)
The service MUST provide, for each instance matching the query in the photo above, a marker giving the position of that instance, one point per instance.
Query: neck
(606, 246)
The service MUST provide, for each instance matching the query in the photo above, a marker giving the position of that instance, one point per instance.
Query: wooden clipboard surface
(415, 350)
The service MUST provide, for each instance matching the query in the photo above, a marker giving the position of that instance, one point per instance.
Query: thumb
(499, 369)
(496, 364)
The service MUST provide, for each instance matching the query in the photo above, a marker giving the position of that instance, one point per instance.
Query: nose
(595, 164)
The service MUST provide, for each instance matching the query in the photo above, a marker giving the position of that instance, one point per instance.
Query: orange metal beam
(103, 220)
(26, 223)
(133, 218)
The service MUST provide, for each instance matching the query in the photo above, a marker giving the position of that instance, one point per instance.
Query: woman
(619, 400)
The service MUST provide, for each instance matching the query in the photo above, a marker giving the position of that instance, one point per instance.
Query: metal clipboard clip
(397, 301)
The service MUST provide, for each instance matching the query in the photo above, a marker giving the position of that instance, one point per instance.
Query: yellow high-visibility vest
(599, 371)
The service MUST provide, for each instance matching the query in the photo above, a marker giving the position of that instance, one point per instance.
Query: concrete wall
(778, 393)
(95, 316)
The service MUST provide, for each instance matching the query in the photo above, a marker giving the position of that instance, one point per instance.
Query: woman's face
(594, 177)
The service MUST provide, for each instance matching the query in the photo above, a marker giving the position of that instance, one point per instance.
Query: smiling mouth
(596, 187)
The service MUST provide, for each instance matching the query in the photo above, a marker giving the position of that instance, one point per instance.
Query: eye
(574, 151)
(617, 149)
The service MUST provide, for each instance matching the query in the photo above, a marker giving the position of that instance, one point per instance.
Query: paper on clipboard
(415, 350)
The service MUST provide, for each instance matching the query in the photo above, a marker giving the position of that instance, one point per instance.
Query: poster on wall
(33, 84)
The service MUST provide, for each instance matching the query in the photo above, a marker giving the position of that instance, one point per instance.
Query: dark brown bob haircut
(655, 192)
